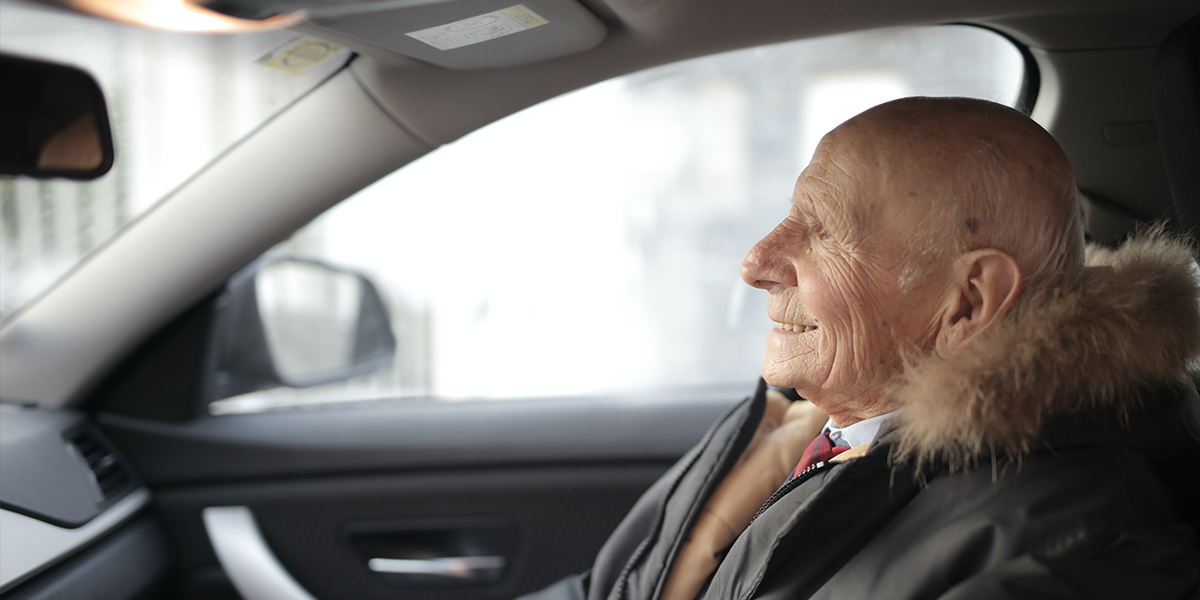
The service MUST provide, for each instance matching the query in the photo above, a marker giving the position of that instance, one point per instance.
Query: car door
(469, 500)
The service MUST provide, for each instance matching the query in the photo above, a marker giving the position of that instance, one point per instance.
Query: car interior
(120, 479)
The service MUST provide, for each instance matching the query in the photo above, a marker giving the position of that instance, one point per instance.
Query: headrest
(1177, 111)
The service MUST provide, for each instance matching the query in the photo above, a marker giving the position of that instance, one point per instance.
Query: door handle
(246, 558)
(458, 567)
(436, 553)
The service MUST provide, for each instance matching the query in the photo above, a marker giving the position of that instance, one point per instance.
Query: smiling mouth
(797, 328)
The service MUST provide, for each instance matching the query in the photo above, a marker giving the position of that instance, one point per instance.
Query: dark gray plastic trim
(421, 435)
(41, 474)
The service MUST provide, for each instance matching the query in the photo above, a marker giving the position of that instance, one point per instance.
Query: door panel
(539, 483)
(558, 516)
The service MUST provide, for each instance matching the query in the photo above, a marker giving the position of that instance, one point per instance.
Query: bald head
(977, 174)
(914, 229)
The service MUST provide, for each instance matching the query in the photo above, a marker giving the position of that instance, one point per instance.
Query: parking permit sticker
(299, 55)
(490, 26)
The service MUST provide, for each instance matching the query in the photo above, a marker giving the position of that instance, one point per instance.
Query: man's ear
(986, 285)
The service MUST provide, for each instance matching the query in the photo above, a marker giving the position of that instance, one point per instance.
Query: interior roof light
(179, 15)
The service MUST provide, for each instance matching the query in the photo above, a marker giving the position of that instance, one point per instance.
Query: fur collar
(1130, 320)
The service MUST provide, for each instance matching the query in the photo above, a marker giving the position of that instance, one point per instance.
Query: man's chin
(777, 376)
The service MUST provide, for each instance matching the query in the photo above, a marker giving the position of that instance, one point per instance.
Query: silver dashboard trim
(247, 560)
(28, 545)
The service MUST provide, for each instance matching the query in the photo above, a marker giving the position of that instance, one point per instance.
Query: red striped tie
(820, 450)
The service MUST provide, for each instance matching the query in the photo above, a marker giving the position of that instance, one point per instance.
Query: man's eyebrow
(821, 215)
(808, 212)
(798, 202)
(807, 216)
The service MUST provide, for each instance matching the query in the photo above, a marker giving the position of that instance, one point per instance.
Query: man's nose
(767, 264)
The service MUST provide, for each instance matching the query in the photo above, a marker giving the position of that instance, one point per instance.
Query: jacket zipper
(792, 484)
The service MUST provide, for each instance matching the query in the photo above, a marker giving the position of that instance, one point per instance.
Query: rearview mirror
(299, 323)
(54, 122)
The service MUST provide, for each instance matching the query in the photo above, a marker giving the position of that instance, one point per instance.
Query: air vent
(111, 476)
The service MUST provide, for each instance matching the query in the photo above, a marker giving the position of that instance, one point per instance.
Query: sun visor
(475, 34)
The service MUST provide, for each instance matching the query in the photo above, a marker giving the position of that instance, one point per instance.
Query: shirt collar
(858, 433)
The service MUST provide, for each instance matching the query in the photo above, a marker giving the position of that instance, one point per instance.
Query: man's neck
(847, 409)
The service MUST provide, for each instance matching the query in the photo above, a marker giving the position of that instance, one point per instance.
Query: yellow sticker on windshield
(299, 55)
(524, 16)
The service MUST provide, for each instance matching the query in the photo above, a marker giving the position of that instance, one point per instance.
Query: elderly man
(988, 411)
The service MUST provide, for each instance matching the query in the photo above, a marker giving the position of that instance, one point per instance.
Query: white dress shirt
(858, 433)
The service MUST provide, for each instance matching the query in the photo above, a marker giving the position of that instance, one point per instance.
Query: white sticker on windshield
(490, 26)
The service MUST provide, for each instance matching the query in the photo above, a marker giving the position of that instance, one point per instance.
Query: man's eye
(823, 233)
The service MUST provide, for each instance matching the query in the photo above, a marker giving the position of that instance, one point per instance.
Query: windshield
(176, 102)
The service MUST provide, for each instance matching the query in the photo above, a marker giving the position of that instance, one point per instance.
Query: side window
(592, 243)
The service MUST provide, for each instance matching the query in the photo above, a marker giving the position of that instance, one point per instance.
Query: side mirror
(296, 322)
(54, 122)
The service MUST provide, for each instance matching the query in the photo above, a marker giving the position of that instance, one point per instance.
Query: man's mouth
(796, 328)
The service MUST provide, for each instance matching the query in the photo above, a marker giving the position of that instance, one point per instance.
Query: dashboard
(72, 511)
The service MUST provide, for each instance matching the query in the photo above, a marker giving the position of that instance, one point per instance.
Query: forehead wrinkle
(864, 172)
(905, 176)
(836, 213)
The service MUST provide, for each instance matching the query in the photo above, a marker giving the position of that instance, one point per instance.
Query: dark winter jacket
(1059, 459)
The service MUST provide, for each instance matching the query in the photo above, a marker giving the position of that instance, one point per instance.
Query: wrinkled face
(832, 268)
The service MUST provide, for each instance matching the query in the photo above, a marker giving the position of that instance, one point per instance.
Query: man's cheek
(851, 336)
(828, 302)
(815, 292)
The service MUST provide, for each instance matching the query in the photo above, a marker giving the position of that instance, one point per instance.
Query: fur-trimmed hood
(1131, 320)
